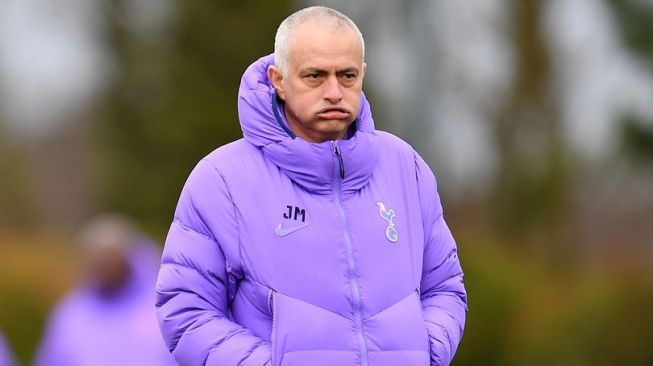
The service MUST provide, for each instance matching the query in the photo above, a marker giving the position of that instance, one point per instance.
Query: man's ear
(276, 77)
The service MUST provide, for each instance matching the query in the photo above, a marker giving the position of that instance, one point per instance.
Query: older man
(316, 239)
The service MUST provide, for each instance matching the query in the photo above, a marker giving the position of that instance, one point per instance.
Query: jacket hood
(313, 166)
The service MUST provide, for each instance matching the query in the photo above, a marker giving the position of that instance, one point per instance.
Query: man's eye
(349, 76)
(312, 76)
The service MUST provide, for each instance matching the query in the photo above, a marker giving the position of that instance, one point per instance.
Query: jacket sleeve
(192, 286)
(442, 292)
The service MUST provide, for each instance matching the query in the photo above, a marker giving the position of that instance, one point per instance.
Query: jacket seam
(204, 274)
(221, 342)
(446, 343)
(344, 351)
(421, 206)
(233, 205)
(207, 276)
(186, 227)
(310, 303)
(251, 351)
(419, 200)
(391, 305)
(453, 252)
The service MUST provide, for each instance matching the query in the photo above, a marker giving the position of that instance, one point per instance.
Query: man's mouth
(333, 113)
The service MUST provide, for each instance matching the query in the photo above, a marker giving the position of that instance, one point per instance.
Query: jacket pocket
(306, 334)
(398, 333)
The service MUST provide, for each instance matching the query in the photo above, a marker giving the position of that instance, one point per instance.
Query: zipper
(273, 331)
(231, 284)
(353, 282)
(341, 165)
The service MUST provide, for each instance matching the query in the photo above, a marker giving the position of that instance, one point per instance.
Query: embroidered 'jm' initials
(295, 212)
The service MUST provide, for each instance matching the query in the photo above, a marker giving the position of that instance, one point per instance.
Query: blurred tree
(634, 19)
(174, 99)
(637, 140)
(16, 206)
(532, 178)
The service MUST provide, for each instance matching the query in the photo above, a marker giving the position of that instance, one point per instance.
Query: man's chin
(336, 128)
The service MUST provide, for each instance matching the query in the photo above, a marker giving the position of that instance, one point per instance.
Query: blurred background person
(108, 319)
(6, 358)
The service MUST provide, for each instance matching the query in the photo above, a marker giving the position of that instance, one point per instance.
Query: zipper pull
(341, 164)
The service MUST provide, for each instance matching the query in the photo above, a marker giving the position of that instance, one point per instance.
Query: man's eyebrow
(348, 70)
(318, 70)
(310, 70)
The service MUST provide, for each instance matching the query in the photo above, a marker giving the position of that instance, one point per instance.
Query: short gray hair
(287, 27)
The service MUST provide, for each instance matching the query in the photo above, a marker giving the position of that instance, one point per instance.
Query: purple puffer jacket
(285, 252)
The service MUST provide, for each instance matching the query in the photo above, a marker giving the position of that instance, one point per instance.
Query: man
(315, 240)
(108, 319)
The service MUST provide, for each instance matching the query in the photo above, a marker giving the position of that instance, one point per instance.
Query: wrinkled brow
(319, 70)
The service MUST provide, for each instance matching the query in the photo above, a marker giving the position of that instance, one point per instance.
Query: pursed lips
(334, 113)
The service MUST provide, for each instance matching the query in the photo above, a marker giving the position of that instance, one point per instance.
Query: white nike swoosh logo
(280, 231)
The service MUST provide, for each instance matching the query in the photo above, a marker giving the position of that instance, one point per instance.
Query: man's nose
(332, 91)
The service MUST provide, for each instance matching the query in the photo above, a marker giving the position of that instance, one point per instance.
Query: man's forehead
(325, 48)
(326, 61)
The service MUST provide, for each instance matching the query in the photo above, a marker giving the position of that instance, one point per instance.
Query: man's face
(323, 83)
(108, 268)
